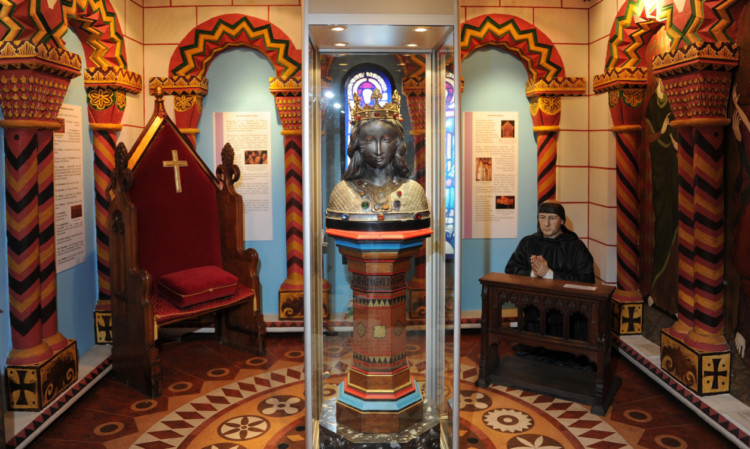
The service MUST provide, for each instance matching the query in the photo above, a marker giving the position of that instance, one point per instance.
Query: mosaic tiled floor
(219, 398)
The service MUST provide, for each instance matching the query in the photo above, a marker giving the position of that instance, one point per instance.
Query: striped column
(685, 240)
(698, 79)
(288, 95)
(626, 108)
(106, 90)
(24, 273)
(47, 271)
(545, 114)
(104, 142)
(708, 239)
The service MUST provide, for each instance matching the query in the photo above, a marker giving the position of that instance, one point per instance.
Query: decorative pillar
(545, 105)
(626, 88)
(414, 90)
(698, 79)
(288, 96)
(105, 94)
(379, 394)
(188, 92)
(33, 82)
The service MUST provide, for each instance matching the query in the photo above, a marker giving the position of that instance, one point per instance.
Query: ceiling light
(421, 29)
(412, 45)
(340, 44)
(338, 28)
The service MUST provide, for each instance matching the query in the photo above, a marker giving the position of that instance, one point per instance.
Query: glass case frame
(436, 335)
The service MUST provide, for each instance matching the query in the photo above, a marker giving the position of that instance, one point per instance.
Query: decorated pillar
(188, 92)
(626, 89)
(105, 94)
(288, 96)
(697, 79)
(379, 394)
(414, 90)
(545, 104)
(33, 80)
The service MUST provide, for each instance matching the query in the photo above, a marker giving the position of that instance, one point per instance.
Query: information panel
(491, 171)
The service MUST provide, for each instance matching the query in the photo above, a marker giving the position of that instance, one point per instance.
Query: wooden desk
(555, 315)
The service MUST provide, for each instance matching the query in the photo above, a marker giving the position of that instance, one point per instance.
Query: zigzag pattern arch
(532, 47)
(206, 41)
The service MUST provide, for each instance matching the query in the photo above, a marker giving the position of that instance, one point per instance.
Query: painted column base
(103, 327)
(33, 387)
(292, 304)
(627, 312)
(703, 372)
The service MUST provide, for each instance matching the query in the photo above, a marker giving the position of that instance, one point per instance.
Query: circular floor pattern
(269, 408)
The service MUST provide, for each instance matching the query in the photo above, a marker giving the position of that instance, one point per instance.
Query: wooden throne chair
(176, 251)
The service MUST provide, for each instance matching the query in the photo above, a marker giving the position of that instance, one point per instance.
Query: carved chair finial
(228, 172)
(121, 178)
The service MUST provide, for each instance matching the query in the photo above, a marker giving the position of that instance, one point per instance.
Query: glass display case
(380, 201)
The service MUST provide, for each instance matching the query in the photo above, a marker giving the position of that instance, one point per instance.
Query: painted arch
(691, 23)
(196, 51)
(96, 24)
(518, 37)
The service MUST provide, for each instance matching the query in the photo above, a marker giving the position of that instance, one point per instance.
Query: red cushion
(195, 285)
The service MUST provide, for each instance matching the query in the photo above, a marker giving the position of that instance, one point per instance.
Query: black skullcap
(549, 207)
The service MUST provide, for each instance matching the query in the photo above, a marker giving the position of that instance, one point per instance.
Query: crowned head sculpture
(376, 192)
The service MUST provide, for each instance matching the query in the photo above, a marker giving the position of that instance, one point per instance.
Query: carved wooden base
(33, 387)
(627, 312)
(103, 327)
(704, 373)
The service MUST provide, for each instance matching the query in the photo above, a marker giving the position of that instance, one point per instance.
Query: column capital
(33, 81)
(698, 80)
(288, 94)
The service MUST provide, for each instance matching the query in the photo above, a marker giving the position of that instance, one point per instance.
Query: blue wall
(495, 81)
(76, 287)
(238, 82)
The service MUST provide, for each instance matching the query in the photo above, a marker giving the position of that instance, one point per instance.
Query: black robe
(566, 255)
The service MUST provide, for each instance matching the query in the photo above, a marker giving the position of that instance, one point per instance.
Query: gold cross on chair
(175, 163)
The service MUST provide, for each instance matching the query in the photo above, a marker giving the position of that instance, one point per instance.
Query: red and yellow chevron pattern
(47, 271)
(520, 38)
(96, 23)
(627, 210)
(209, 39)
(22, 212)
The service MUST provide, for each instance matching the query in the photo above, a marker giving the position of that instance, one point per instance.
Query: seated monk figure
(553, 251)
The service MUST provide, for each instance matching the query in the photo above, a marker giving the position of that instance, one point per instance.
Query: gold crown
(390, 110)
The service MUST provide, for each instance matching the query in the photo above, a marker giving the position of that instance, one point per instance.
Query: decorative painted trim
(556, 86)
(626, 129)
(105, 126)
(42, 57)
(179, 85)
(113, 78)
(716, 56)
(621, 78)
(37, 124)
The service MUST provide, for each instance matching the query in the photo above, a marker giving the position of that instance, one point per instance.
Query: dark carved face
(377, 142)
